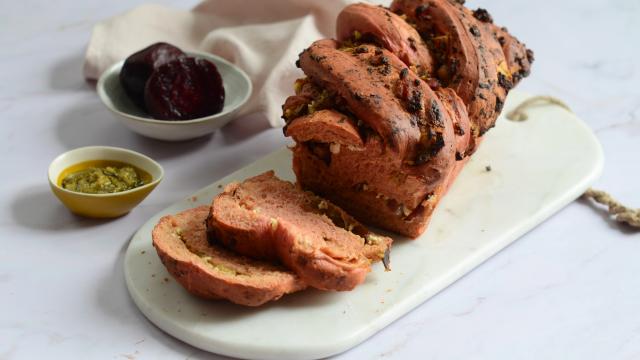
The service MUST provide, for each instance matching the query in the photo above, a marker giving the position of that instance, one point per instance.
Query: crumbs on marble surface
(166, 279)
(130, 356)
(143, 252)
(194, 198)
(219, 186)
(488, 168)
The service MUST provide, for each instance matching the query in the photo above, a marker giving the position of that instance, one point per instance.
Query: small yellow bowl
(103, 205)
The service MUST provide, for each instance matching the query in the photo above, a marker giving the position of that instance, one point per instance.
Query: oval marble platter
(523, 173)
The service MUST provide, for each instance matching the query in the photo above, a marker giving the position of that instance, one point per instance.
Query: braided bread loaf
(389, 113)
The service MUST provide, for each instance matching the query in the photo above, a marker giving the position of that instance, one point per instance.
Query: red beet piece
(138, 67)
(183, 89)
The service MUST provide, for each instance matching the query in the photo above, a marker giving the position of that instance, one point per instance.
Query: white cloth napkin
(263, 37)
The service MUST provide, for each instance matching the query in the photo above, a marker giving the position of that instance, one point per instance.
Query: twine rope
(619, 212)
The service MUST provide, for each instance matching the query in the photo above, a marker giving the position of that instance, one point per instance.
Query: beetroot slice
(138, 67)
(184, 89)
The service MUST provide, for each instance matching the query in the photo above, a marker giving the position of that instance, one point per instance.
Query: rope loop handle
(519, 114)
(619, 212)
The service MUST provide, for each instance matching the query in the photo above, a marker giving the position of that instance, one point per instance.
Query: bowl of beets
(167, 94)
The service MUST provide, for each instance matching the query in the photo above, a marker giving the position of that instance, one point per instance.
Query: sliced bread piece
(212, 272)
(268, 218)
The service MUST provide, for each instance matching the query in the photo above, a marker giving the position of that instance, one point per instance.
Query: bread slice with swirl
(213, 272)
(267, 218)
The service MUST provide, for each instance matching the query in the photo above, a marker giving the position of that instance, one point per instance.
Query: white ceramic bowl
(237, 87)
(103, 205)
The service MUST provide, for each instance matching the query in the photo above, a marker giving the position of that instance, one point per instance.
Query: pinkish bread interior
(267, 218)
(212, 272)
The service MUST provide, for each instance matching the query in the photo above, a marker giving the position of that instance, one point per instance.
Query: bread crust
(390, 99)
(325, 126)
(379, 25)
(211, 272)
(473, 62)
(369, 181)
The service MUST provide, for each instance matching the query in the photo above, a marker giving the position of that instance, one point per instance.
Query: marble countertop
(569, 289)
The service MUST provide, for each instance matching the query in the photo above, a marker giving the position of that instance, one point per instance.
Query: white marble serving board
(536, 168)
